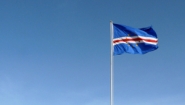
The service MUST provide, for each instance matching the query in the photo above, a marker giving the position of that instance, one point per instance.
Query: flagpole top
(111, 21)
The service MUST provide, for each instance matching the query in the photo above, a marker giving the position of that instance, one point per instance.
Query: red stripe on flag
(135, 40)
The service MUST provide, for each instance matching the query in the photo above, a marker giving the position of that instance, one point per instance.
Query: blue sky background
(57, 52)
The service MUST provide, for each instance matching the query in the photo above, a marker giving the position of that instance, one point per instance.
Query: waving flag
(133, 40)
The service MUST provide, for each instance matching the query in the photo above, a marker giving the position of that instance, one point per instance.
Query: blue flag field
(131, 40)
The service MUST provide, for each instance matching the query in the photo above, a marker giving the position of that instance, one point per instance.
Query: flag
(131, 40)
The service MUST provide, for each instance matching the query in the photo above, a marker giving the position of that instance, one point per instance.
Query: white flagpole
(111, 65)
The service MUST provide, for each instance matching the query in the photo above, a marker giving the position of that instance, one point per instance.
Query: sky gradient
(58, 53)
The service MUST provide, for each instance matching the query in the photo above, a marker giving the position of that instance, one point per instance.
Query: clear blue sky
(57, 52)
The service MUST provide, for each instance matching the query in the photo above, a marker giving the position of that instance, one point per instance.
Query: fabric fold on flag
(131, 40)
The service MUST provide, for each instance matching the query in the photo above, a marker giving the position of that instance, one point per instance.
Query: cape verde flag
(133, 40)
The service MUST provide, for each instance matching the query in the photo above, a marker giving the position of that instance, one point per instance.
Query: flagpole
(111, 65)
